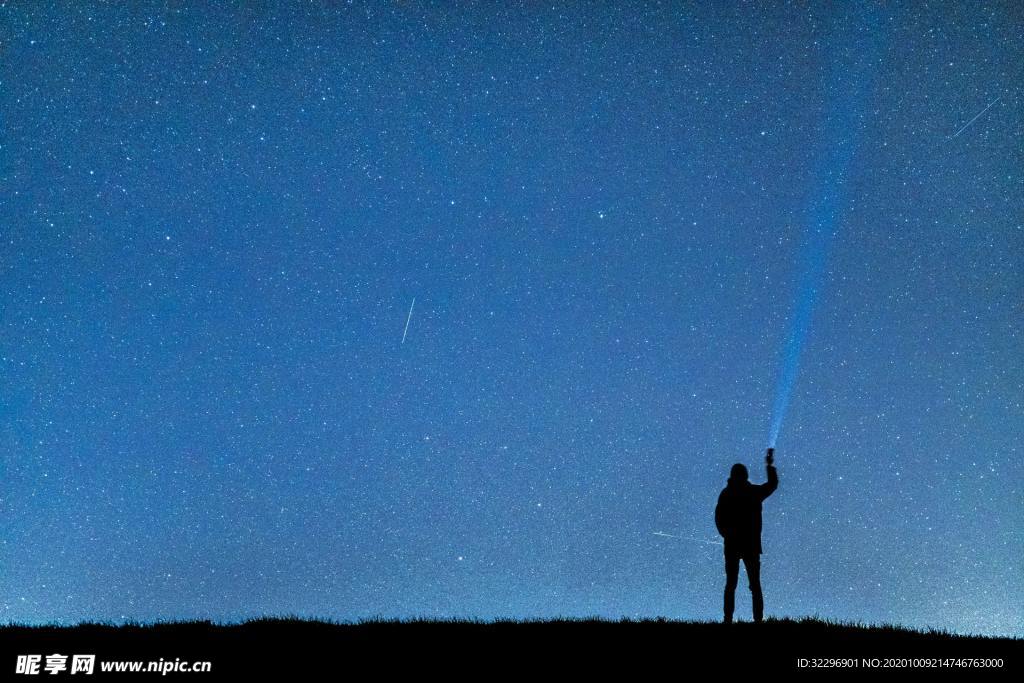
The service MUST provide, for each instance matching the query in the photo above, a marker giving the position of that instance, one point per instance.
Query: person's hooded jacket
(738, 513)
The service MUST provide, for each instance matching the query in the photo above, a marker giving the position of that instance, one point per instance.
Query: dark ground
(484, 649)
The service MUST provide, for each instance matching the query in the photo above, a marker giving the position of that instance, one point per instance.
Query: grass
(287, 644)
(295, 619)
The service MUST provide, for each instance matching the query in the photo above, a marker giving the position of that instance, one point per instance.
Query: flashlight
(770, 457)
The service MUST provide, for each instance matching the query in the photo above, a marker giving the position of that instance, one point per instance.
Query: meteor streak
(407, 319)
(976, 117)
(686, 538)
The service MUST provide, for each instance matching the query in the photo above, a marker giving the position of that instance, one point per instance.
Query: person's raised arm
(768, 488)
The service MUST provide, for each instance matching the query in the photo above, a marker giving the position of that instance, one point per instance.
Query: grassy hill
(524, 648)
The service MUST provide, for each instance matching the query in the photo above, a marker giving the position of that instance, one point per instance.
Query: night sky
(620, 223)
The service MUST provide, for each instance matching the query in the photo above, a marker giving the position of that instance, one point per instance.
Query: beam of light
(820, 236)
(976, 117)
(823, 221)
(849, 78)
(407, 319)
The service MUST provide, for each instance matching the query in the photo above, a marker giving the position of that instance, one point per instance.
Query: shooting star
(407, 319)
(976, 117)
(686, 538)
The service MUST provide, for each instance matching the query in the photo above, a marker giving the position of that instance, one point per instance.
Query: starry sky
(218, 400)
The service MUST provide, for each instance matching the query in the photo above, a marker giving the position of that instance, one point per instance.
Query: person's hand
(770, 458)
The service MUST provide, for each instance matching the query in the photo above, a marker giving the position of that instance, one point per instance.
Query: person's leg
(732, 575)
(752, 563)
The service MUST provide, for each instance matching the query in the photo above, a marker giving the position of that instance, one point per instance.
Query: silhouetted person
(738, 518)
